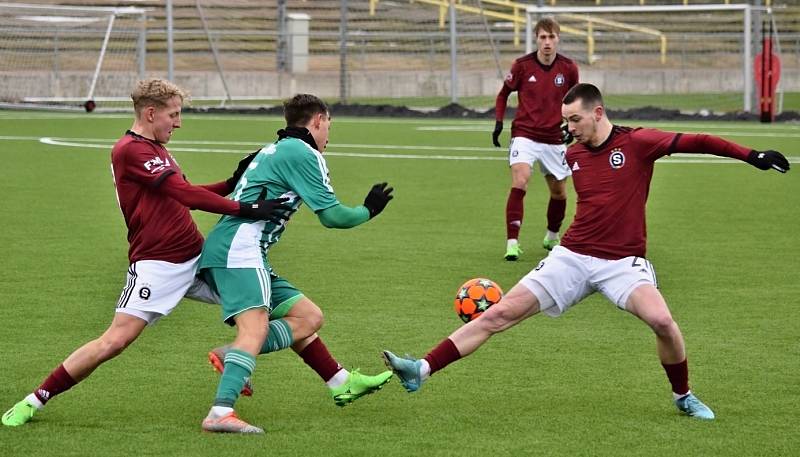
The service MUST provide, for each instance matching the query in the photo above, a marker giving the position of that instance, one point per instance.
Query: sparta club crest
(559, 80)
(616, 159)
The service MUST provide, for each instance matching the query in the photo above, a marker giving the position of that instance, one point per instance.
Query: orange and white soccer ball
(476, 296)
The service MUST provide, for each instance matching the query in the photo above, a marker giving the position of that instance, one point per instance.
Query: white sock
(338, 379)
(424, 370)
(678, 396)
(552, 235)
(34, 401)
(219, 411)
(511, 242)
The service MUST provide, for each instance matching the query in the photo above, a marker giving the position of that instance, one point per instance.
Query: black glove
(265, 210)
(240, 169)
(764, 160)
(566, 137)
(377, 198)
(498, 128)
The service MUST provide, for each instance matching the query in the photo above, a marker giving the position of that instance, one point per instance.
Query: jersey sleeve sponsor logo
(559, 80)
(509, 76)
(156, 165)
(616, 159)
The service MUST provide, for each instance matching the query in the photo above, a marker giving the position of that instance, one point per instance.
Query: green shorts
(241, 289)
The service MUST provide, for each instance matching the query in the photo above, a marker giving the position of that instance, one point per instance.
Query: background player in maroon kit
(165, 244)
(604, 248)
(541, 79)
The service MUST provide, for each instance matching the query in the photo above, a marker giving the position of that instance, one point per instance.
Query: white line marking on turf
(698, 129)
(100, 143)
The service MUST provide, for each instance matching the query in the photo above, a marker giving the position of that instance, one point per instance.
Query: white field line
(488, 123)
(696, 129)
(175, 146)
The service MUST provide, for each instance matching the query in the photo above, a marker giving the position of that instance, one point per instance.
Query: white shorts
(154, 288)
(568, 278)
(551, 157)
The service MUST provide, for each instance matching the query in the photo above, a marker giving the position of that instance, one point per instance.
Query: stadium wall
(407, 84)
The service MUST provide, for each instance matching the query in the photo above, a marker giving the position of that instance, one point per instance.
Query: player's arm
(500, 104)
(341, 216)
(197, 197)
(220, 188)
(709, 144)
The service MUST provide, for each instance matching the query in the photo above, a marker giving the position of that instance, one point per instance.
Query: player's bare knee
(316, 321)
(312, 318)
(497, 318)
(663, 325)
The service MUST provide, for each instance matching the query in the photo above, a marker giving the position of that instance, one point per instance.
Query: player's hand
(377, 198)
(240, 169)
(272, 210)
(566, 137)
(764, 160)
(498, 128)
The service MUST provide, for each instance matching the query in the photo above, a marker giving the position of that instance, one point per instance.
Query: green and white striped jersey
(287, 168)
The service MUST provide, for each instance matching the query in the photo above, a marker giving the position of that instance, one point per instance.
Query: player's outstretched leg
(358, 385)
(229, 423)
(216, 358)
(692, 406)
(408, 369)
(19, 414)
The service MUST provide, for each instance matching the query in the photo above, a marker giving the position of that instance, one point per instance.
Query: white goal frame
(532, 12)
(108, 13)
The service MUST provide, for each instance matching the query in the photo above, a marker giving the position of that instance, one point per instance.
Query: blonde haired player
(165, 245)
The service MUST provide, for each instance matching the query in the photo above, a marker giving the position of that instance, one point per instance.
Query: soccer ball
(476, 296)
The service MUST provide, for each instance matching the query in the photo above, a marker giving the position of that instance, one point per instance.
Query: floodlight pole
(343, 54)
(748, 57)
(141, 46)
(170, 54)
(453, 54)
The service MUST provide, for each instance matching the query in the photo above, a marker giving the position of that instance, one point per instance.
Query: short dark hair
(548, 24)
(299, 110)
(588, 94)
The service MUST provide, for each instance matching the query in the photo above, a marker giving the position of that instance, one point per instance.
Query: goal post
(66, 55)
(707, 49)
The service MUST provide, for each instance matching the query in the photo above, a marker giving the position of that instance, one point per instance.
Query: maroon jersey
(159, 227)
(612, 182)
(541, 89)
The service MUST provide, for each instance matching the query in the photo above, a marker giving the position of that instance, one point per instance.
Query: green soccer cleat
(693, 407)
(19, 414)
(513, 252)
(357, 386)
(549, 244)
(408, 369)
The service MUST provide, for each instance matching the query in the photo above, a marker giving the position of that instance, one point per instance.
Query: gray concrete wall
(377, 84)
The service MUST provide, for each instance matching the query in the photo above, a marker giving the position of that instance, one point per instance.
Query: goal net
(696, 57)
(69, 55)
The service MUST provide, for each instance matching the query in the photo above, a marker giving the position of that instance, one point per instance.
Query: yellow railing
(373, 3)
(516, 16)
